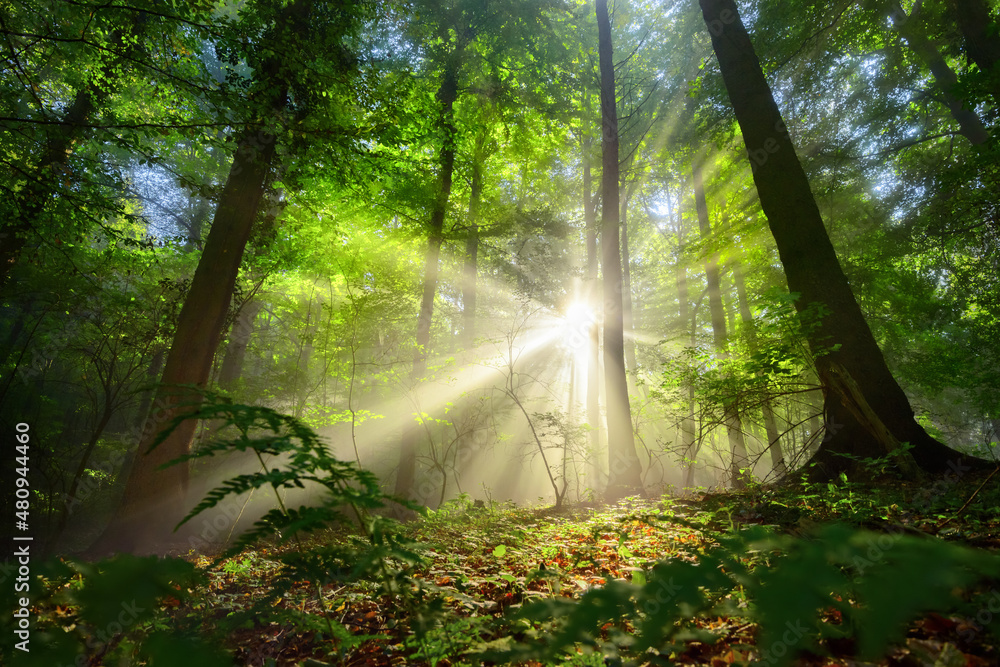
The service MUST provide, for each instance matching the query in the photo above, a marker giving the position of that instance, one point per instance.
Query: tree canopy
(537, 250)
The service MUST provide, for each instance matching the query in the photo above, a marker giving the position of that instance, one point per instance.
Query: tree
(101, 54)
(590, 274)
(713, 283)
(866, 412)
(969, 122)
(624, 469)
(154, 499)
(446, 96)
(982, 40)
(459, 35)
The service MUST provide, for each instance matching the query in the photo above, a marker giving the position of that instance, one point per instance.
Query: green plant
(290, 456)
(237, 566)
(110, 611)
(783, 583)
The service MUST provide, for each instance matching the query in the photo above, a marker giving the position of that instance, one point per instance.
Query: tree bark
(627, 318)
(61, 142)
(239, 340)
(154, 500)
(593, 334)
(447, 95)
(982, 40)
(624, 469)
(971, 126)
(770, 423)
(811, 265)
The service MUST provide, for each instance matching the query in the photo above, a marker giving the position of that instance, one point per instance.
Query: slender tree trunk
(688, 439)
(38, 191)
(627, 318)
(239, 340)
(624, 469)
(982, 40)
(971, 126)
(813, 270)
(446, 95)
(154, 500)
(593, 335)
(471, 268)
(770, 423)
(106, 414)
(712, 279)
(734, 428)
(466, 446)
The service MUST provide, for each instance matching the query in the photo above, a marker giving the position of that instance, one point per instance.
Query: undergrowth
(821, 574)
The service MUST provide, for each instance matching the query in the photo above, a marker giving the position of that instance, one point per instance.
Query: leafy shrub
(109, 611)
(874, 584)
(290, 455)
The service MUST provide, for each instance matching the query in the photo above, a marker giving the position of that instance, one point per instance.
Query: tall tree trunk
(471, 268)
(982, 40)
(734, 428)
(813, 270)
(466, 446)
(410, 440)
(593, 335)
(688, 439)
(971, 126)
(39, 190)
(770, 423)
(627, 318)
(239, 340)
(624, 469)
(712, 280)
(154, 500)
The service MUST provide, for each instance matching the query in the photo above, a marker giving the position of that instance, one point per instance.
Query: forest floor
(482, 565)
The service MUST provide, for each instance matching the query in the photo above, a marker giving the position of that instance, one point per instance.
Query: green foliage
(299, 457)
(111, 609)
(789, 586)
(291, 456)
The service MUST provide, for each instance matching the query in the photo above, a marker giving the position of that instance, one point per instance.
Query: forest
(500, 332)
